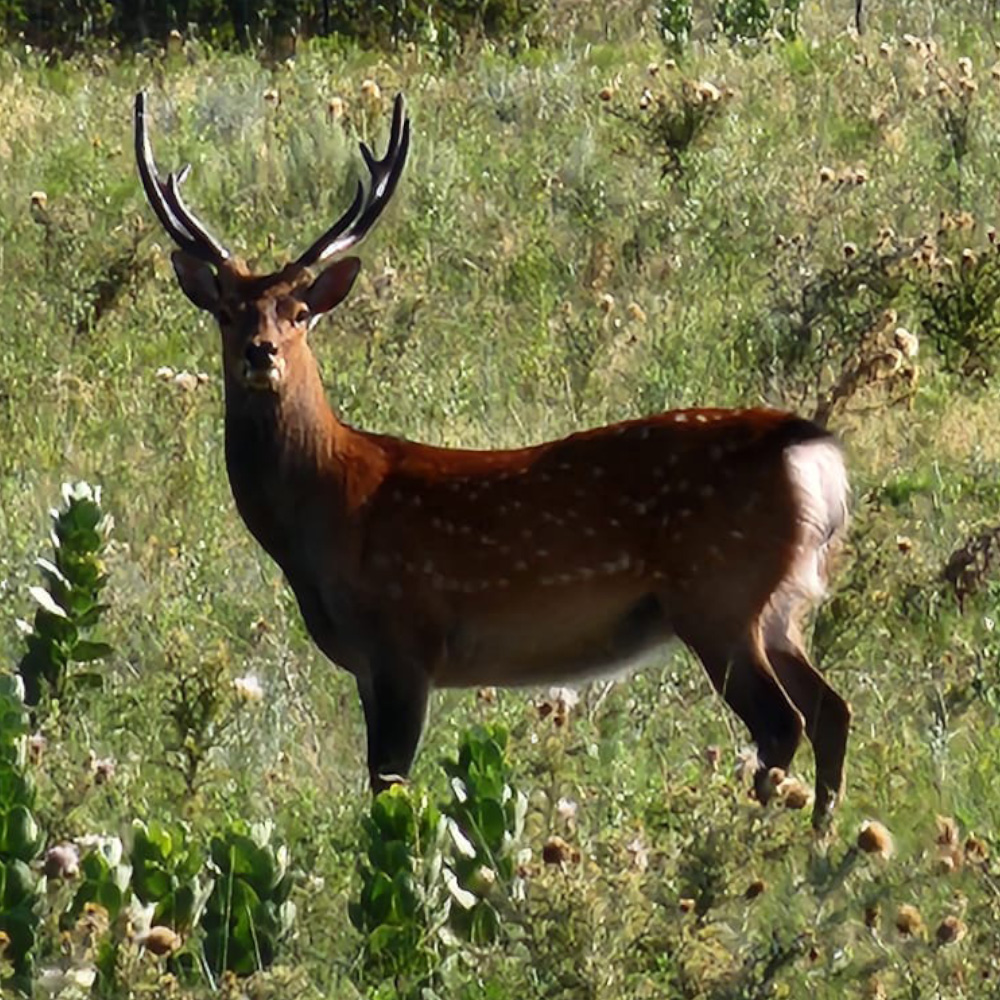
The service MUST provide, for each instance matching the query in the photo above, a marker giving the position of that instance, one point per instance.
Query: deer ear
(197, 280)
(332, 285)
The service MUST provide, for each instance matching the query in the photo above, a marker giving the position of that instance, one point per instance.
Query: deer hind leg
(740, 672)
(395, 706)
(827, 715)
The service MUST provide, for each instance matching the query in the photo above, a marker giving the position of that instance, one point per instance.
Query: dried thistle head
(909, 922)
(875, 838)
(556, 851)
(951, 930)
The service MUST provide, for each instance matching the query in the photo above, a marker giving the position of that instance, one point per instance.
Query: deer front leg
(394, 700)
(740, 672)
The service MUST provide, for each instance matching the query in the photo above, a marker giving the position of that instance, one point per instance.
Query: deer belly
(545, 643)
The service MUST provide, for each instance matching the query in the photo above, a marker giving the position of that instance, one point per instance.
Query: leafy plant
(167, 873)
(401, 901)
(671, 119)
(104, 881)
(487, 819)
(960, 309)
(248, 911)
(20, 838)
(676, 18)
(195, 706)
(69, 604)
(431, 877)
(743, 20)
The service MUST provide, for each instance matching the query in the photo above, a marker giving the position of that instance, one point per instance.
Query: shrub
(20, 838)
(69, 605)
(248, 911)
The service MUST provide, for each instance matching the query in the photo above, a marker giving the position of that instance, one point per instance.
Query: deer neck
(285, 453)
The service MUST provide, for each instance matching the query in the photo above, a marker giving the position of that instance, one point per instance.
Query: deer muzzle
(262, 368)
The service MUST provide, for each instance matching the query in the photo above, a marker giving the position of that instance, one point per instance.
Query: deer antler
(352, 227)
(186, 229)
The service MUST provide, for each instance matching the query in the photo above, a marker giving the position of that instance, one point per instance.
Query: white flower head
(248, 689)
(567, 697)
(566, 809)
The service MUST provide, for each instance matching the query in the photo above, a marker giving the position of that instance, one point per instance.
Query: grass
(480, 320)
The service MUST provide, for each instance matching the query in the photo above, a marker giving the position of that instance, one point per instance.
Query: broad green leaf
(85, 650)
(45, 600)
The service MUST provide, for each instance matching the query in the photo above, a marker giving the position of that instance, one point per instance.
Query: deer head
(264, 319)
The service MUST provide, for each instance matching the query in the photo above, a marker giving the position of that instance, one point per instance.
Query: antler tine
(164, 196)
(352, 227)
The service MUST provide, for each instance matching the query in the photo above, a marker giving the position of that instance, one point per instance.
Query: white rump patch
(819, 477)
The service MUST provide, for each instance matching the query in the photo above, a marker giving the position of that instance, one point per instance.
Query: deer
(418, 567)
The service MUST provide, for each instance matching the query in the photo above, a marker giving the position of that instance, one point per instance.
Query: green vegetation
(623, 210)
(69, 605)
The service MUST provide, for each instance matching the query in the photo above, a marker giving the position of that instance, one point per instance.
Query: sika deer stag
(418, 567)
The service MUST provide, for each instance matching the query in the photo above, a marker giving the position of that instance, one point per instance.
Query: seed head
(793, 794)
(874, 838)
(160, 940)
(606, 93)
(556, 851)
(371, 92)
(36, 747)
(103, 769)
(638, 854)
(908, 920)
(975, 849)
(248, 689)
(635, 312)
(707, 92)
(827, 175)
(874, 990)
(566, 809)
(62, 861)
(947, 831)
(906, 342)
(951, 930)
(850, 250)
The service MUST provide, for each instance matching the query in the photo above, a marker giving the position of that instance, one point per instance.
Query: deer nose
(258, 356)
